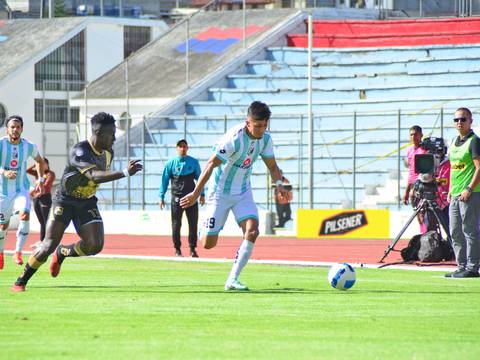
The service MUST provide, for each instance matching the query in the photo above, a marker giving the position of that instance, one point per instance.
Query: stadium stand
(420, 82)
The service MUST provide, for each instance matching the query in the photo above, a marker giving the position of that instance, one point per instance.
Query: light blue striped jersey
(238, 152)
(15, 157)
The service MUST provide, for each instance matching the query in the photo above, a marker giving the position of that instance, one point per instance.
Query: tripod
(429, 207)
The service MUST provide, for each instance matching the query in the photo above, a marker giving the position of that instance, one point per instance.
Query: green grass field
(137, 309)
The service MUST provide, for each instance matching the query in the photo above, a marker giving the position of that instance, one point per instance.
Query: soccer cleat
(1, 260)
(178, 252)
(18, 288)
(193, 253)
(466, 274)
(17, 258)
(55, 264)
(454, 273)
(235, 285)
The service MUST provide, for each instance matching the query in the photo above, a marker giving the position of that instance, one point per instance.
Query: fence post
(143, 162)
(185, 125)
(187, 54)
(441, 122)
(300, 183)
(354, 167)
(310, 114)
(398, 158)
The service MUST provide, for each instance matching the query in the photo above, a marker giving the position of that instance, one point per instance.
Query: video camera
(425, 165)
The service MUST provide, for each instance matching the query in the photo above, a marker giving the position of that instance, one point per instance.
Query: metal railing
(348, 161)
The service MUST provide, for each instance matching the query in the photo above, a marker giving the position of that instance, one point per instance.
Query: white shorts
(11, 203)
(218, 207)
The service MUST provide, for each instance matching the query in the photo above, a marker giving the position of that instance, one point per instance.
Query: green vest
(462, 167)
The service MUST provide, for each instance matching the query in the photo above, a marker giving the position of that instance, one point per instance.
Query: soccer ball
(341, 276)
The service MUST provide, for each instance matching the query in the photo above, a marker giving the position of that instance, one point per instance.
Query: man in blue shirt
(182, 170)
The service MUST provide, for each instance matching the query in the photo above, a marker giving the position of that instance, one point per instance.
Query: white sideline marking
(267, 262)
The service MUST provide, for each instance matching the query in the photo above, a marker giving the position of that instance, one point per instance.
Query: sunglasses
(462, 119)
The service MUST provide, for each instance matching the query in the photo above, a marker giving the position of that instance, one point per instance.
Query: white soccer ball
(341, 276)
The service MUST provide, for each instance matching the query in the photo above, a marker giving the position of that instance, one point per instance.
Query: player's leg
(246, 214)
(55, 231)
(45, 204)
(3, 233)
(176, 214)
(216, 214)
(6, 204)
(192, 217)
(22, 204)
(89, 225)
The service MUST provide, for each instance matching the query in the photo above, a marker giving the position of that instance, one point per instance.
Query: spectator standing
(282, 202)
(416, 139)
(42, 203)
(464, 196)
(182, 171)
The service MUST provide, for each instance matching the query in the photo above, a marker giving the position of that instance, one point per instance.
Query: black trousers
(284, 213)
(42, 206)
(192, 217)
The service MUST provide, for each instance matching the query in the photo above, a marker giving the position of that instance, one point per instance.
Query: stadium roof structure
(157, 71)
(24, 42)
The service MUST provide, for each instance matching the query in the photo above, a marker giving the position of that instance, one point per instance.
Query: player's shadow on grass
(170, 289)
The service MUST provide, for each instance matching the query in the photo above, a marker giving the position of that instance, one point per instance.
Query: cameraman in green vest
(464, 196)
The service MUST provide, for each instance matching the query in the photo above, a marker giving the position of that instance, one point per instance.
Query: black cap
(182, 141)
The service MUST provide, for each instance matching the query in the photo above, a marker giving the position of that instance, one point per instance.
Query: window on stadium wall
(56, 111)
(64, 68)
(134, 37)
(3, 114)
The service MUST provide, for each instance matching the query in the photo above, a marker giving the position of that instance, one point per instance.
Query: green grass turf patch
(145, 309)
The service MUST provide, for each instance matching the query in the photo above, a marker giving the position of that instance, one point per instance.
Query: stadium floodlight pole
(310, 114)
(244, 14)
(50, 9)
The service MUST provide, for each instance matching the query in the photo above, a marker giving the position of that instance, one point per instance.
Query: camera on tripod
(426, 165)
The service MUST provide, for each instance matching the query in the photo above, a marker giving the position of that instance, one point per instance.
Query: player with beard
(14, 184)
(88, 167)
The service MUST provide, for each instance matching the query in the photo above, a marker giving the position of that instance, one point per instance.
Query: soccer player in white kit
(230, 187)
(14, 184)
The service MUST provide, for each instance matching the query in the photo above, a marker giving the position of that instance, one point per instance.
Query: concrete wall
(104, 49)
(159, 223)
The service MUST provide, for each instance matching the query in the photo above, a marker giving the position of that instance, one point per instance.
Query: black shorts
(81, 212)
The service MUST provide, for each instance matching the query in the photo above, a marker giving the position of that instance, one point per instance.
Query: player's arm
(31, 170)
(99, 176)
(198, 172)
(40, 165)
(190, 199)
(475, 153)
(272, 166)
(167, 174)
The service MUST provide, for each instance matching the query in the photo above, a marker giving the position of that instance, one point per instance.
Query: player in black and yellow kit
(88, 166)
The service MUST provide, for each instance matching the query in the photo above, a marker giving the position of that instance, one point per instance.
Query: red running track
(266, 248)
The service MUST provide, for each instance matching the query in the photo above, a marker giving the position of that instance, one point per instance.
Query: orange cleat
(18, 288)
(17, 258)
(55, 265)
(1, 260)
